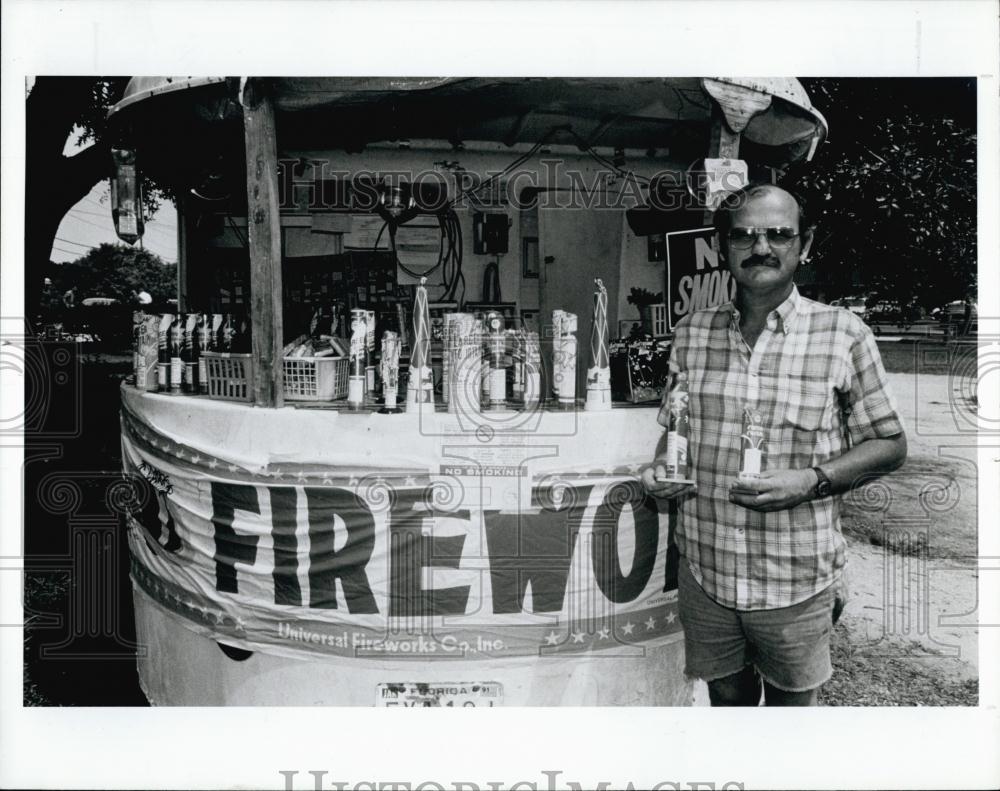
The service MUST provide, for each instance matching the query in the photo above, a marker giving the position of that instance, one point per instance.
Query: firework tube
(163, 360)
(447, 342)
(464, 366)
(370, 352)
(356, 374)
(191, 352)
(599, 372)
(420, 387)
(204, 345)
(404, 341)
(564, 358)
(676, 457)
(557, 322)
(495, 344)
(176, 352)
(390, 371)
(515, 340)
(532, 370)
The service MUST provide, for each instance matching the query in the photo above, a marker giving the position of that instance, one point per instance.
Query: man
(761, 565)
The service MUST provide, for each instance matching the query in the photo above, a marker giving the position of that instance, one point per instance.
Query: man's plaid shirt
(814, 370)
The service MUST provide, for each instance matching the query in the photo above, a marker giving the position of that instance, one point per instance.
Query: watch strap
(824, 486)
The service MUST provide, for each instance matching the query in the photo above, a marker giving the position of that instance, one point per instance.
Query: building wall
(625, 263)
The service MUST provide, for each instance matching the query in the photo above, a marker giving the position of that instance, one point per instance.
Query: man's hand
(665, 490)
(775, 490)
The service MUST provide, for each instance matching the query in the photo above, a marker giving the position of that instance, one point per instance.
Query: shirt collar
(785, 313)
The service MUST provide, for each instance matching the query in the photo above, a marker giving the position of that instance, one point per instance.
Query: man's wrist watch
(824, 486)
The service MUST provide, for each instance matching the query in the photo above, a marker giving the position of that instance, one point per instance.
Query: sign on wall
(696, 278)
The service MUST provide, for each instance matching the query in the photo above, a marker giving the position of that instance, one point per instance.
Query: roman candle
(390, 371)
(599, 372)
(564, 357)
(420, 387)
(357, 372)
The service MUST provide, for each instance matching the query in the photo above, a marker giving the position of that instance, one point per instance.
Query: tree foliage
(116, 270)
(893, 190)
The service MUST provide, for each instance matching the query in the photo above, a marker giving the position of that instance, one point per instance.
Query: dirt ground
(912, 567)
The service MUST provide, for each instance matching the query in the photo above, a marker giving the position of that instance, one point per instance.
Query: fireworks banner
(309, 560)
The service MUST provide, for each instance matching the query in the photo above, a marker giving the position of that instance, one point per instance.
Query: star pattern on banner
(600, 635)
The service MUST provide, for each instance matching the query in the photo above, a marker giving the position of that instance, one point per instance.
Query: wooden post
(264, 230)
(183, 287)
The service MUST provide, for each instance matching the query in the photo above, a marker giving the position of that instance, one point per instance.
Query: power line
(106, 215)
(88, 222)
(70, 241)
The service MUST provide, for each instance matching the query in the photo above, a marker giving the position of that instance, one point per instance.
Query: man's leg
(790, 647)
(739, 689)
(714, 645)
(780, 697)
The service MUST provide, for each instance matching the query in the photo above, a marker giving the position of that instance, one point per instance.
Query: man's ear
(807, 240)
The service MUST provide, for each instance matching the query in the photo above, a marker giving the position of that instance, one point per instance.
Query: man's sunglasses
(744, 238)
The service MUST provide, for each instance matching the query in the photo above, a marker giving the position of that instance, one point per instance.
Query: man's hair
(723, 219)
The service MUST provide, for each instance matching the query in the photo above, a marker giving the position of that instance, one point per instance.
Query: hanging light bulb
(396, 203)
(126, 196)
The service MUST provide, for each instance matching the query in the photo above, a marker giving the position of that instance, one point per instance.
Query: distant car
(885, 311)
(98, 302)
(854, 304)
(952, 317)
(954, 311)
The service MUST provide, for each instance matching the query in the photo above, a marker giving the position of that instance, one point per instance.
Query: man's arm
(780, 489)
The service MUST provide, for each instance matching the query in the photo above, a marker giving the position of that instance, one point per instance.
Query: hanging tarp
(639, 112)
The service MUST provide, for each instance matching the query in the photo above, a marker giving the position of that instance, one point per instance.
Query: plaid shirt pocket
(808, 406)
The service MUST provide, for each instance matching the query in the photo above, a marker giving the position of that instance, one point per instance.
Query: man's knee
(738, 689)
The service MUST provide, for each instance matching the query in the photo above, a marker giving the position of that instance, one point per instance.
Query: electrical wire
(515, 164)
(626, 174)
(78, 244)
(236, 230)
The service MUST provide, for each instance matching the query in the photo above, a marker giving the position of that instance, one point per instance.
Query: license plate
(440, 693)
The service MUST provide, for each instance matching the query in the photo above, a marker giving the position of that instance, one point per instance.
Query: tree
(117, 270)
(56, 108)
(893, 191)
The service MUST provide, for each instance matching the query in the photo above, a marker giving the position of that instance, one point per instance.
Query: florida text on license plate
(440, 693)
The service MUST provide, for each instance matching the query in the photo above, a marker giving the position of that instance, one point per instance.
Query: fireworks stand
(382, 455)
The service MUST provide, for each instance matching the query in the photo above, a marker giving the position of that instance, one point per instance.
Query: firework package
(169, 348)
(639, 369)
(146, 350)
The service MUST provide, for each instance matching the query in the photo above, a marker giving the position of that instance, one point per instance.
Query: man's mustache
(761, 260)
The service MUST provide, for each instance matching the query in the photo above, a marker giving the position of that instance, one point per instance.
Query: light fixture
(126, 196)
(396, 204)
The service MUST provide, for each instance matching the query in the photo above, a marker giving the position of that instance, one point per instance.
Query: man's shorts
(789, 646)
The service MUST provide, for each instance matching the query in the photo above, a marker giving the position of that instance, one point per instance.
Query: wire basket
(230, 376)
(315, 378)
